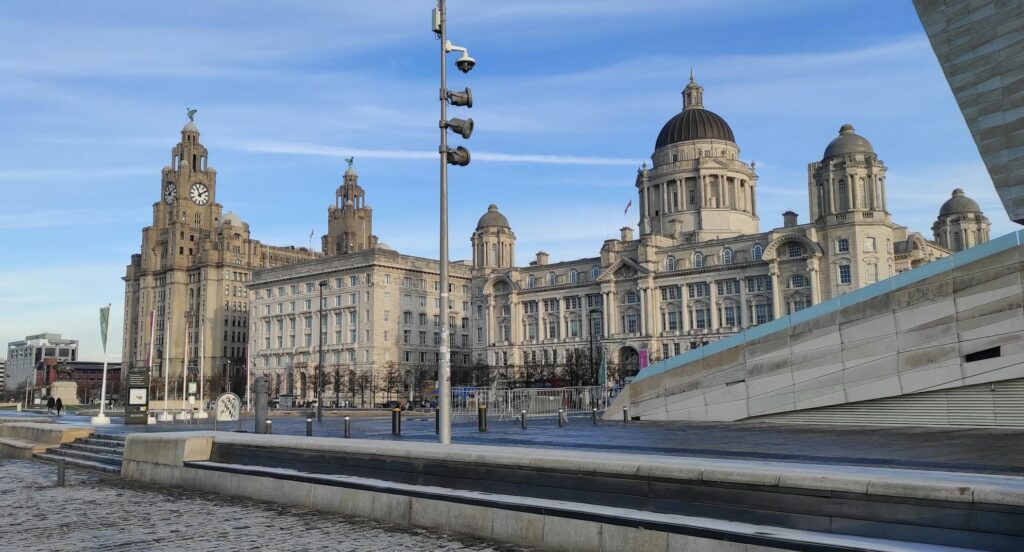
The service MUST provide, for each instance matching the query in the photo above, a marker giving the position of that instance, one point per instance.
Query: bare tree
(363, 383)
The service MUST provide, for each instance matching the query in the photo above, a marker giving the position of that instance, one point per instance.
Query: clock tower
(189, 280)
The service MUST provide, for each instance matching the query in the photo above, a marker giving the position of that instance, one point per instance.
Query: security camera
(465, 63)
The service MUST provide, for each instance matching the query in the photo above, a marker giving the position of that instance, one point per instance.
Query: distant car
(394, 404)
(273, 403)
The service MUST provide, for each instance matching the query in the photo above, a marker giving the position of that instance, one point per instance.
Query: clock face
(199, 193)
(170, 191)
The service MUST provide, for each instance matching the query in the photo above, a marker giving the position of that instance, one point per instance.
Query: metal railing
(507, 404)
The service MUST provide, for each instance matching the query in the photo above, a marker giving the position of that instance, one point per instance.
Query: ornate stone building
(380, 311)
(701, 268)
(191, 274)
(960, 223)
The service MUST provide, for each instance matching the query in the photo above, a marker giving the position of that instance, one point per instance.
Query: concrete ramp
(942, 344)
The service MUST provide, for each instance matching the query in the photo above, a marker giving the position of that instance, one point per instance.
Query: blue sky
(569, 98)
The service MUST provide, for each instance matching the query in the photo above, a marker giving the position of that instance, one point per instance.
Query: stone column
(744, 318)
(490, 320)
(642, 292)
(814, 276)
(685, 313)
(713, 297)
(776, 292)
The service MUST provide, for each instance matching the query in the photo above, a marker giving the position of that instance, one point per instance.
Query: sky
(569, 97)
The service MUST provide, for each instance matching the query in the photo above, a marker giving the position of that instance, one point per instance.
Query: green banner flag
(104, 318)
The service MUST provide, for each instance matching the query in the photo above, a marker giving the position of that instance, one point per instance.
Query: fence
(509, 403)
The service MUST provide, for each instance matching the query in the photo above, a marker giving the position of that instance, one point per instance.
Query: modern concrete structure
(24, 355)
(380, 311)
(190, 274)
(940, 344)
(980, 45)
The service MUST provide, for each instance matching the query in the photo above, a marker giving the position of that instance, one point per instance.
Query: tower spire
(693, 94)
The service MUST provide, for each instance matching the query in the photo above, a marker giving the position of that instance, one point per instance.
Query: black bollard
(593, 416)
(481, 418)
(348, 427)
(561, 418)
(625, 414)
(522, 416)
(270, 427)
(437, 420)
(396, 421)
(60, 472)
(309, 427)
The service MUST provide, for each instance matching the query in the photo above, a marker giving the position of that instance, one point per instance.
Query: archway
(628, 363)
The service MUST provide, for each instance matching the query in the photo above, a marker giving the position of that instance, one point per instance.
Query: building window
(670, 293)
(844, 199)
(869, 245)
(844, 274)
(701, 318)
(553, 328)
(531, 330)
(672, 321)
(698, 260)
(756, 252)
(552, 279)
(531, 282)
(727, 256)
(762, 313)
(574, 327)
(574, 277)
(798, 281)
(595, 272)
(843, 245)
(631, 298)
(731, 317)
(700, 289)
(670, 263)
(796, 250)
(630, 323)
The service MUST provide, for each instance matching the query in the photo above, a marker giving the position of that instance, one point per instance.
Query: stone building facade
(701, 268)
(24, 355)
(380, 311)
(960, 223)
(191, 273)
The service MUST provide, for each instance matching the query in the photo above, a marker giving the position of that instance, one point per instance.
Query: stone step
(101, 443)
(109, 437)
(87, 446)
(81, 464)
(87, 456)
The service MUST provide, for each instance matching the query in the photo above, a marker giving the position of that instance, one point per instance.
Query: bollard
(396, 421)
(481, 418)
(269, 427)
(561, 418)
(60, 472)
(593, 416)
(309, 427)
(625, 414)
(437, 420)
(348, 427)
(522, 416)
(262, 395)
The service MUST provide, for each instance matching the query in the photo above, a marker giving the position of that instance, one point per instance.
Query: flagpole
(202, 354)
(165, 416)
(104, 318)
(184, 367)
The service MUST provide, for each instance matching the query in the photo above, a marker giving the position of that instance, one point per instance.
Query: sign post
(136, 408)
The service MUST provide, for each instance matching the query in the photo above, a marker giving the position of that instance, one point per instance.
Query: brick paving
(94, 512)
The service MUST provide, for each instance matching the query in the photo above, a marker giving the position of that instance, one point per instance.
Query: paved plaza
(967, 449)
(93, 512)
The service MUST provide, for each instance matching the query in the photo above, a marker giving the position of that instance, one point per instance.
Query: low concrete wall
(22, 439)
(180, 459)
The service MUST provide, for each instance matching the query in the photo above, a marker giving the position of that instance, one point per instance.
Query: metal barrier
(510, 404)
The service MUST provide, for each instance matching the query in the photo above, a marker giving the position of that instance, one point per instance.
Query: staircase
(100, 452)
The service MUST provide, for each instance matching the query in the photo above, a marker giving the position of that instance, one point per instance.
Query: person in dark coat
(60, 405)
(49, 405)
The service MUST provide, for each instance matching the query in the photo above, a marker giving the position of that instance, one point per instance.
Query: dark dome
(959, 203)
(492, 217)
(694, 123)
(848, 142)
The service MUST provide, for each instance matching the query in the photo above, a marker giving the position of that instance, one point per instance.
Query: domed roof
(190, 127)
(694, 122)
(492, 217)
(848, 142)
(959, 203)
(232, 219)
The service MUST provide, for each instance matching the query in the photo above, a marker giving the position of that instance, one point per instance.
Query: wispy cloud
(76, 174)
(68, 217)
(300, 148)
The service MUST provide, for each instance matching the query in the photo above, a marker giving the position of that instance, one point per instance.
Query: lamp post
(458, 156)
(320, 354)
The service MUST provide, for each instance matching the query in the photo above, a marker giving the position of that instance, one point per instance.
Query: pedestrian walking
(59, 405)
(49, 405)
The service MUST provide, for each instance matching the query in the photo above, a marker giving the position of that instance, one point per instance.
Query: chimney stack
(542, 258)
(627, 233)
(789, 219)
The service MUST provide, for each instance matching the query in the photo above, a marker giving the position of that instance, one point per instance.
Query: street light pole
(320, 362)
(444, 368)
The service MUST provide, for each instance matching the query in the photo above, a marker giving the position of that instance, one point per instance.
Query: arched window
(698, 260)
(531, 282)
(670, 263)
(574, 277)
(551, 278)
(595, 272)
(756, 252)
(727, 256)
(843, 203)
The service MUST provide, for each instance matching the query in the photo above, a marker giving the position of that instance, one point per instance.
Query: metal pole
(348, 427)
(309, 427)
(561, 418)
(396, 421)
(103, 386)
(593, 416)
(60, 472)
(262, 399)
(320, 363)
(522, 418)
(444, 366)
(625, 414)
(270, 427)
(481, 418)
